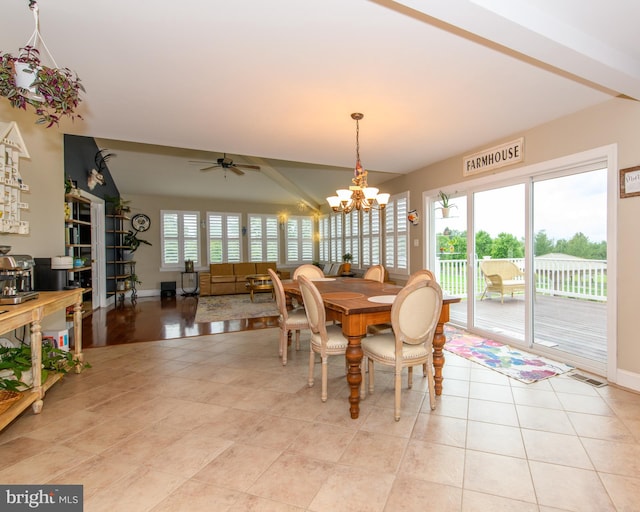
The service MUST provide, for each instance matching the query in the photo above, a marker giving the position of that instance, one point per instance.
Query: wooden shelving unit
(78, 246)
(119, 269)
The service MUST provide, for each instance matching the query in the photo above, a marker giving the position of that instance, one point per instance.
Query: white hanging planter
(25, 81)
(25, 76)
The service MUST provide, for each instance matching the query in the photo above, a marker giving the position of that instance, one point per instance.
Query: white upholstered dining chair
(326, 340)
(311, 271)
(376, 272)
(421, 274)
(414, 317)
(289, 320)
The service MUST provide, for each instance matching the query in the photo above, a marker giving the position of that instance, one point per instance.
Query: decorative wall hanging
(413, 217)
(630, 182)
(12, 186)
(96, 176)
(52, 92)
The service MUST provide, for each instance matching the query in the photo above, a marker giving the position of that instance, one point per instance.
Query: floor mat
(514, 363)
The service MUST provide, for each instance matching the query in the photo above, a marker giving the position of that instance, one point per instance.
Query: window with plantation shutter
(299, 242)
(263, 237)
(324, 234)
(351, 236)
(224, 233)
(371, 238)
(336, 252)
(180, 238)
(396, 236)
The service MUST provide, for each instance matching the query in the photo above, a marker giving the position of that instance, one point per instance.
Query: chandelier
(360, 195)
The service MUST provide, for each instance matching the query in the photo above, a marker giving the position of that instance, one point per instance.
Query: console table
(32, 312)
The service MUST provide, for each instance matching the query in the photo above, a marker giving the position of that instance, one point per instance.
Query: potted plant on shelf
(119, 206)
(132, 242)
(52, 92)
(15, 368)
(445, 204)
(346, 260)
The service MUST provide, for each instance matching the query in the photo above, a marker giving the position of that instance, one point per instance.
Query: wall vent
(588, 380)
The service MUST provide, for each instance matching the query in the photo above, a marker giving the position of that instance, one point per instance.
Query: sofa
(231, 278)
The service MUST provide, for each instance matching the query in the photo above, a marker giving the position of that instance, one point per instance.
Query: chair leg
(283, 346)
(398, 389)
(410, 377)
(432, 387)
(324, 378)
(298, 339)
(424, 370)
(363, 374)
(312, 360)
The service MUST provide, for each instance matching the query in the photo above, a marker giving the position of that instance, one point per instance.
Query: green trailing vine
(18, 361)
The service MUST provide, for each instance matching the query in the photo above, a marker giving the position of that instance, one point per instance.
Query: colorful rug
(514, 363)
(233, 307)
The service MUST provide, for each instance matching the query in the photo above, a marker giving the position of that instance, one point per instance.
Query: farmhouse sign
(494, 158)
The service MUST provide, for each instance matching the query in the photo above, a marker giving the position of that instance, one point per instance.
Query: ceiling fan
(225, 163)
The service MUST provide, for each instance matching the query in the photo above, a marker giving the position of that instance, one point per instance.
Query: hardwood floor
(153, 318)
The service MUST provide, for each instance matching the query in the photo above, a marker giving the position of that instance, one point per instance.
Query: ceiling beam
(537, 34)
(288, 185)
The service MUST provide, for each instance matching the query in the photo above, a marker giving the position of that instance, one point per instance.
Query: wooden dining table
(357, 303)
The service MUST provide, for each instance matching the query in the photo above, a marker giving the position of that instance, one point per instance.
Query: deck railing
(566, 277)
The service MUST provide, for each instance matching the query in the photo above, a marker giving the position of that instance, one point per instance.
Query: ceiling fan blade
(235, 169)
(245, 166)
(208, 168)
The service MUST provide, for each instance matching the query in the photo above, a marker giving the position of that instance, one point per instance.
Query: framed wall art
(630, 181)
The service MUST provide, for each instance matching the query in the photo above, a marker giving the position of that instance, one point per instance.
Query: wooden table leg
(439, 340)
(77, 335)
(36, 361)
(354, 377)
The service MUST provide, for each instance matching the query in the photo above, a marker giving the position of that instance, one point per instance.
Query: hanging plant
(53, 93)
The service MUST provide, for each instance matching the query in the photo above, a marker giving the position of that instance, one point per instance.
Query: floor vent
(588, 380)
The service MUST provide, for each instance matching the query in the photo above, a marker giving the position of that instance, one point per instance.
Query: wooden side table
(259, 283)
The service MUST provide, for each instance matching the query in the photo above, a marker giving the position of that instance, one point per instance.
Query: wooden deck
(577, 326)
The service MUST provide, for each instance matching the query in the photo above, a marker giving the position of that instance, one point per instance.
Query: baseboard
(627, 379)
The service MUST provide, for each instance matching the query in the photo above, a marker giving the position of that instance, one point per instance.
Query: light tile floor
(217, 423)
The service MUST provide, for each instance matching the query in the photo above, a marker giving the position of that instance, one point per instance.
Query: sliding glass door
(499, 268)
(528, 258)
(570, 260)
(450, 227)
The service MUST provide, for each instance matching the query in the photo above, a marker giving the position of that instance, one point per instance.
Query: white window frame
(371, 238)
(396, 234)
(261, 236)
(324, 239)
(226, 238)
(336, 245)
(299, 242)
(352, 237)
(181, 237)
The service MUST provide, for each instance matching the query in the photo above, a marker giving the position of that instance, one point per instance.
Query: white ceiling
(274, 82)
